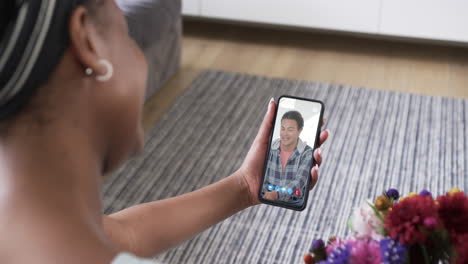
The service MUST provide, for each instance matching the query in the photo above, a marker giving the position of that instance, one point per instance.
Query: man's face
(289, 132)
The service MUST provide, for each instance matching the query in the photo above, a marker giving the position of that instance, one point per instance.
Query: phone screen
(290, 159)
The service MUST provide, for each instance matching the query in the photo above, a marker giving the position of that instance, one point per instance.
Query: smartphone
(290, 155)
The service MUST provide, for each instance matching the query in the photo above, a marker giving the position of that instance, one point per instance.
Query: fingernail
(329, 133)
(319, 151)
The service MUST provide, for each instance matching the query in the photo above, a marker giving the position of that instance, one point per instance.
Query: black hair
(7, 12)
(294, 115)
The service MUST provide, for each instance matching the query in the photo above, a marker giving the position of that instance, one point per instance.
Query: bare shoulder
(44, 244)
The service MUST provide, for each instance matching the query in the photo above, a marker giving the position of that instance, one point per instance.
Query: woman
(72, 85)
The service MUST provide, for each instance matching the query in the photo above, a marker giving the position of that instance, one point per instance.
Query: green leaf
(350, 222)
(424, 251)
(376, 212)
(381, 230)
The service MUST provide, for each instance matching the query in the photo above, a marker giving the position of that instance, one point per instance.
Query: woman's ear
(85, 40)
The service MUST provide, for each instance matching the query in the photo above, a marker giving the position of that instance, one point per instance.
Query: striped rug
(379, 140)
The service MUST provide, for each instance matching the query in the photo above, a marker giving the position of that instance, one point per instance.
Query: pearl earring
(89, 71)
(109, 71)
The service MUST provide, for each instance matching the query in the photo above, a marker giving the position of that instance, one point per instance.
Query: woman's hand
(252, 168)
(150, 228)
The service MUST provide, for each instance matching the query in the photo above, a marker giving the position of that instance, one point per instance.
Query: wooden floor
(376, 64)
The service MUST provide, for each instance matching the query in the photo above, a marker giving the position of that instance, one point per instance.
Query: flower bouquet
(418, 228)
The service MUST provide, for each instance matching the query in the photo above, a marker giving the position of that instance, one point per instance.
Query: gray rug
(379, 140)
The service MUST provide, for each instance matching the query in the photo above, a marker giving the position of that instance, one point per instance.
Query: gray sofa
(156, 25)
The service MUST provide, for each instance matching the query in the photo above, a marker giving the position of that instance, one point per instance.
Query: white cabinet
(191, 7)
(423, 19)
(431, 19)
(356, 15)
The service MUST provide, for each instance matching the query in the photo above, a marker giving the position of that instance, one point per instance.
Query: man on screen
(289, 162)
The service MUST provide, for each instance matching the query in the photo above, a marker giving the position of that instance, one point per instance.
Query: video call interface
(291, 151)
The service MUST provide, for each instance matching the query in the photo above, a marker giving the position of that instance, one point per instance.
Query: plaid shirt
(295, 173)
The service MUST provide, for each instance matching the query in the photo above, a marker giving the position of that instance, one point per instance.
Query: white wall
(191, 7)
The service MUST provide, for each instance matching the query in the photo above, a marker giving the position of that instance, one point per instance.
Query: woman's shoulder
(127, 258)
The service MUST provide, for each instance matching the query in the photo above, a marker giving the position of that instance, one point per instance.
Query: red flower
(406, 219)
(308, 259)
(462, 250)
(453, 212)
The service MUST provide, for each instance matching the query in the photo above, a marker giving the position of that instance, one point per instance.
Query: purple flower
(392, 251)
(318, 249)
(425, 193)
(317, 244)
(392, 193)
(340, 255)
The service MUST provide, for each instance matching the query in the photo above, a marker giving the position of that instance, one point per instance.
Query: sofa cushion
(156, 25)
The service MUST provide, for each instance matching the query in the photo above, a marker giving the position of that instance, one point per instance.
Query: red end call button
(297, 192)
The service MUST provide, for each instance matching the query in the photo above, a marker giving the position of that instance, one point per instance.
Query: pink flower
(338, 242)
(362, 251)
(365, 251)
(430, 223)
(364, 223)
